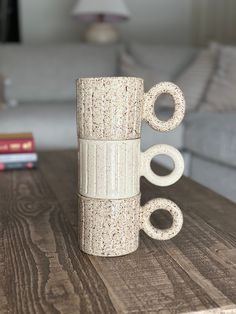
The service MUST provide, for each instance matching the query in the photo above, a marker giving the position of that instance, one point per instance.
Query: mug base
(109, 254)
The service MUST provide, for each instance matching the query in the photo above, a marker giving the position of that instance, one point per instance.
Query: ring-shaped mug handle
(161, 234)
(149, 103)
(162, 149)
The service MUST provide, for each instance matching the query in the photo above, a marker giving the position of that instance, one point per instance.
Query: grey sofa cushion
(194, 79)
(53, 124)
(2, 91)
(167, 59)
(221, 94)
(129, 67)
(216, 176)
(212, 135)
(48, 72)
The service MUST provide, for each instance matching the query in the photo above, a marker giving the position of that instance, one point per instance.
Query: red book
(16, 143)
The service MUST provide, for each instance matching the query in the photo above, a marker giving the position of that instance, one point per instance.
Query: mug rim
(108, 199)
(109, 78)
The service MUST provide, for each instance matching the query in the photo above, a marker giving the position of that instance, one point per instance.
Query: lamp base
(101, 33)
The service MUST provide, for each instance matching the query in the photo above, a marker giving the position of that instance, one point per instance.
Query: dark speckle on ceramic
(112, 108)
(111, 227)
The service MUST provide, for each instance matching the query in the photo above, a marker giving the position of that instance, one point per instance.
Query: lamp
(102, 13)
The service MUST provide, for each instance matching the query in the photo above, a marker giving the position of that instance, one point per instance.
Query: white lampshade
(110, 10)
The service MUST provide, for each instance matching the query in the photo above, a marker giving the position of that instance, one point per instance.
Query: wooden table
(42, 270)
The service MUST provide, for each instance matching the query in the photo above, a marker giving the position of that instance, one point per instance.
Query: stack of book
(17, 151)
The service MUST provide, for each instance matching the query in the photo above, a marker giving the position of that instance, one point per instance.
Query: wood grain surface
(43, 271)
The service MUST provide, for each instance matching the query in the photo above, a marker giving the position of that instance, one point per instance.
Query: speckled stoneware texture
(111, 227)
(109, 115)
(112, 169)
(150, 99)
(111, 108)
(158, 204)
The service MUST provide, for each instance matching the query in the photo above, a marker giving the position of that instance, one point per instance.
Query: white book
(18, 157)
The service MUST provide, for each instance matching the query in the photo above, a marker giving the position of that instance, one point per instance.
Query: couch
(40, 97)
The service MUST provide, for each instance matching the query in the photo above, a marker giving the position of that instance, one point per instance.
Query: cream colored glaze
(112, 169)
(109, 115)
(167, 150)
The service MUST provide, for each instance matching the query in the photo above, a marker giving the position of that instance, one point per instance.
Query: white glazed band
(167, 150)
(109, 169)
(112, 169)
(111, 227)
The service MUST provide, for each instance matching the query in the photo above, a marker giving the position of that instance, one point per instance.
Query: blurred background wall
(214, 20)
(166, 21)
(160, 21)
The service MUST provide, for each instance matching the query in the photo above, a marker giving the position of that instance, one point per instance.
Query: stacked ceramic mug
(109, 115)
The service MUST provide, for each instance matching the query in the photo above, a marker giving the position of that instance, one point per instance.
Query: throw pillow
(150, 76)
(168, 59)
(194, 79)
(221, 94)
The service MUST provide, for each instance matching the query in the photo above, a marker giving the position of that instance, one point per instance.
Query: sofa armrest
(5, 86)
(2, 90)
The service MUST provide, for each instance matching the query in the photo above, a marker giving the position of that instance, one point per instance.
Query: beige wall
(165, 21)
(214, 20)
(47, 21)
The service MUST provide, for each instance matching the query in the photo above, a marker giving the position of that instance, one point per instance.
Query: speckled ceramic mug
(112, 169)
(112, 108)
(111, 227)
